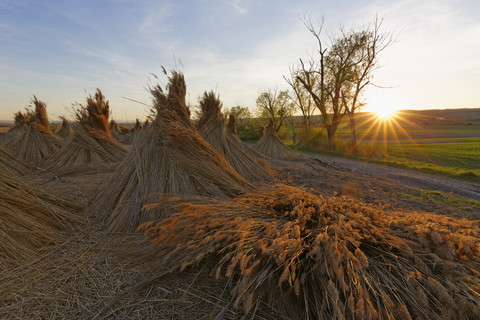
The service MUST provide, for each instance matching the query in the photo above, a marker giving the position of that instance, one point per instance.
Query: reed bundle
(213, 129)
(169, 157)
(91, 141)
(13, 163)
(37, 141)
(85, 148)
(95, 113)
(328, 258)
(272, 146)
(233, 135)
(29, 219)
(21, 120)
(113, 126)
(66, 129)
(133, 133)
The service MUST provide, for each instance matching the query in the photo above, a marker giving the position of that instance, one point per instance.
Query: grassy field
(453, 158)
(468, 208)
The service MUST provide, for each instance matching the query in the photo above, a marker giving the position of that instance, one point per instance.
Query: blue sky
(62, 50)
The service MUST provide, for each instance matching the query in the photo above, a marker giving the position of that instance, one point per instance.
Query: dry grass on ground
(90, 277)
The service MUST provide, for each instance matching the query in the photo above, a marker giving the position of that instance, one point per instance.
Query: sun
(383, 107)
(385, 114)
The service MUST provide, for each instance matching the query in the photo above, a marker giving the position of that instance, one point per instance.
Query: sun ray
(370, 128)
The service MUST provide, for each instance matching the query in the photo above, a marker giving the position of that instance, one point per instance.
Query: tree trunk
(306, 125)
(353, 130)
(294, 134)
(331, 136)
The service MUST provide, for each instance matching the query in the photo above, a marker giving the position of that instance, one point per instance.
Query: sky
(61, 51)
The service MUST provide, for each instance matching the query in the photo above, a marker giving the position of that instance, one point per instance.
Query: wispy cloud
(117, 61)
(156, 19)
(239, 9)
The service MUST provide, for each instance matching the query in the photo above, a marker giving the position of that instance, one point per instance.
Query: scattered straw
(89, 277)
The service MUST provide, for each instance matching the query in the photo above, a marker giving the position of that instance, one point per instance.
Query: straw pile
(29, 219)
(13, 163)
(65, 130)
(37, 141)
(272, 146)
(170, 157)
(213, 129)
(91, 142)
(328, 258)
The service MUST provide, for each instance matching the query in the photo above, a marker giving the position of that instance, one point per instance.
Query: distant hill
(462, 116)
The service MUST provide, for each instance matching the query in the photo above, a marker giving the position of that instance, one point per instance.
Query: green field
(453, 158)
(422, 142)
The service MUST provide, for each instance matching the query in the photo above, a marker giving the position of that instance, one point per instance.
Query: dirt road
(381, 185)
(402, 176)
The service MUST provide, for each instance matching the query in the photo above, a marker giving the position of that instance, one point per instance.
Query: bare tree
(323, 80)
(301, 98)
(274, 104)
(370, 43)
(242, 115)
(337, 76)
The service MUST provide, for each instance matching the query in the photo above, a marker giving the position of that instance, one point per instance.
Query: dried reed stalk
(328, 258)
(272, 146)
(168, 158)
(95, 113)
(40, 114)
(113, 126)
(213, 129)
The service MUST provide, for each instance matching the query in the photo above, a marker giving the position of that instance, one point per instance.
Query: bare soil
(377, 184)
